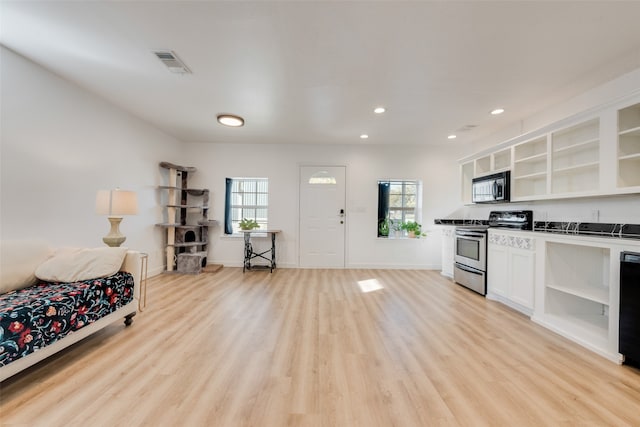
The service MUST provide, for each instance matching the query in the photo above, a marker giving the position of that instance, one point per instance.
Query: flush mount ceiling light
(364, 136)
(452, 136)
(230, 120)
(497, 111)
(379, 110)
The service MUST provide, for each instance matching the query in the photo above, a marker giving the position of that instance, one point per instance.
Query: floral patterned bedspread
(39, 315)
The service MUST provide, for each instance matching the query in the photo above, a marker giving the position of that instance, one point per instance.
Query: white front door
(322, 216)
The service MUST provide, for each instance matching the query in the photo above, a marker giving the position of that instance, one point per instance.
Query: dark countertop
(595, 229)
(451, 221)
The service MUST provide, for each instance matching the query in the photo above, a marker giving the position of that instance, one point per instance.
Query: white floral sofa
(50, 299)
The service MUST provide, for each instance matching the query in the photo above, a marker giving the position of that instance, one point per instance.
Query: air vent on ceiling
(172, 62)
(467, 128)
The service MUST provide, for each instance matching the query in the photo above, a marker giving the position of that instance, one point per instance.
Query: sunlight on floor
(370, 285)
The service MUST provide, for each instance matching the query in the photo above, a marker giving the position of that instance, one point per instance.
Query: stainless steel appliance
(629, 323)
(470, 253)
(470, 258)
(491, 188)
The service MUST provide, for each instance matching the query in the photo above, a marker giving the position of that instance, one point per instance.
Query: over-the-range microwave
(493, 188)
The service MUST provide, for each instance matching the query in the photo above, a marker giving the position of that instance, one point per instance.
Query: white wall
(624, 209)
(59, 145)
(612, 91)
(365, 165)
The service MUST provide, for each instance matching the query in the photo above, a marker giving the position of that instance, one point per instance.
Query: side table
(249, 253)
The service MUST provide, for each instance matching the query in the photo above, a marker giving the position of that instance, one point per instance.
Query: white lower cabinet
(578, 289)
(569, 284)
(448, 241)
(511, 269)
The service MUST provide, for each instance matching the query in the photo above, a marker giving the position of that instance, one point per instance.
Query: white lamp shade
(116, 202)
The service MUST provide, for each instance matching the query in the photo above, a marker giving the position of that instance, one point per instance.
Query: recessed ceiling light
(497, 111)
(452, 137)
(230, 120)
(364, 136)
(379, 110)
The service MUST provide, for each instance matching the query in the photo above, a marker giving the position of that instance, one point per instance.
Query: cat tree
(187, 223)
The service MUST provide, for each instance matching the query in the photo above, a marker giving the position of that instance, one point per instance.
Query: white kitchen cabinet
(448, 241)
(578, 289)
(498, 161)
(629, 147)
(511, 269)
(529, 176)
(575, 158)
(594, 153)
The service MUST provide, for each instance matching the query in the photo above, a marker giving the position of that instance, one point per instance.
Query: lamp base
(115, 238)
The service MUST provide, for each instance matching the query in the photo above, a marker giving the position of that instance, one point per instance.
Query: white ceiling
(312, 72)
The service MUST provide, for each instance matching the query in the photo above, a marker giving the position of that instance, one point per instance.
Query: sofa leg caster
(128, 319)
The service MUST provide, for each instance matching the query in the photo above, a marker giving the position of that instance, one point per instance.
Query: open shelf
(582, 271)
(483, 165)
(591, 293)
(537, 175)
(575, 168)
(629, 146)
(533, 159)
(589, 328)
(577, 291)
(629, 171)
(467, 172)
(584, 132)
(529, 149)
(635, 131)
(629, 119)
(630, 157)
(532, 185)
(580, 146)
(502, 160)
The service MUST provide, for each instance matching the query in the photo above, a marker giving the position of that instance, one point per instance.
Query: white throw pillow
(81, 264)
(18, 262)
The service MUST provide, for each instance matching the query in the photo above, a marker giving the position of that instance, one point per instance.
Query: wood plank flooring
(310, 348)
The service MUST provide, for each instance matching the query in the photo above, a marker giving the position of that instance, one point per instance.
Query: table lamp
(115, 204)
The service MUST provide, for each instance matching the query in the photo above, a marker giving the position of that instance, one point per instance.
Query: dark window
(398, 202)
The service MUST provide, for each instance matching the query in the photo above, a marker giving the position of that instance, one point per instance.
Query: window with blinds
(246, 198)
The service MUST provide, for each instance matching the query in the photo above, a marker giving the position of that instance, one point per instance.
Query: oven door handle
(468, 269)
(470, 234)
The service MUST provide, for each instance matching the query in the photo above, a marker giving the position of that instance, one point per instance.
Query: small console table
(249, 254)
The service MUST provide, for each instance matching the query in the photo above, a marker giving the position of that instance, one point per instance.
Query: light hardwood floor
(310, 348)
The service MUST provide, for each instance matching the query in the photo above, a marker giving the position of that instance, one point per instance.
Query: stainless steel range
(470, 268)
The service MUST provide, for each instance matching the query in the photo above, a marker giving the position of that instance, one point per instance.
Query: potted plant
(414, 230)
(248, 224)
(383, 228)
